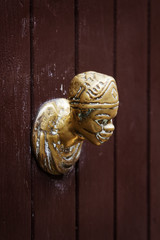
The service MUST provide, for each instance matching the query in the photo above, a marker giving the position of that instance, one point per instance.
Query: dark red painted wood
(53, 66)
(96, 163)
(132, 120)
(15, 210)
(155, 120)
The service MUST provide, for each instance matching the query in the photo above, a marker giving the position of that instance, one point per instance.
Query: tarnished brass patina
(62, 124)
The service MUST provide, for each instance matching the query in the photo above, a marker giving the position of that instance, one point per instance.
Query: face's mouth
(103, 136)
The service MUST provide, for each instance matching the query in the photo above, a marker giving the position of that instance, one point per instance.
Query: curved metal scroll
(62, 124)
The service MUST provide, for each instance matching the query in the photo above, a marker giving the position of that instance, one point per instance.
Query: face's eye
(102, 121)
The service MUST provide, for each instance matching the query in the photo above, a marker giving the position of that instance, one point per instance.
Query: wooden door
(113, 193)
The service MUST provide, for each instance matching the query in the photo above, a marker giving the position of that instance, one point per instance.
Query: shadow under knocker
(62, 124)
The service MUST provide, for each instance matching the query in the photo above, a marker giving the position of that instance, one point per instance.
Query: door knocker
(62, 124)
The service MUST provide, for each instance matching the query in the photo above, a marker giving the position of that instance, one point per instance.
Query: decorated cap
(93, 90)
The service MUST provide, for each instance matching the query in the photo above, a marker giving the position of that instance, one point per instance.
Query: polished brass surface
(62, 125)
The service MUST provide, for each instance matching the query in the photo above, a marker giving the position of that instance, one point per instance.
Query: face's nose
(109, 127)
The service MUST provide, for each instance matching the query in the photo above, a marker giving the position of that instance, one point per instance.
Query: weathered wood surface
(15, 177)
(53, 68)
(132, 208)
(155, 120)
(38, 58)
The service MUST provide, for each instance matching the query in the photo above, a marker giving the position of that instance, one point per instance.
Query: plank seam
(76, 19)
(115, 121)
(31, 111)
(148, 115)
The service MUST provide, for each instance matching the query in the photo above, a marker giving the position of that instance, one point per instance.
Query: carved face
(96, 124)
(95, 95)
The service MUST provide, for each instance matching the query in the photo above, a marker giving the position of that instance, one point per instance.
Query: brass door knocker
(62, 124)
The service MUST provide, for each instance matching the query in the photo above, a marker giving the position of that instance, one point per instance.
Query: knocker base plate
(54, 154)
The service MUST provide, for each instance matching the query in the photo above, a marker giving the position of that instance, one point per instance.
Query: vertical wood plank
(155, 119)
(53, 67)
(15, 158)
(96, 163)
(132, 120)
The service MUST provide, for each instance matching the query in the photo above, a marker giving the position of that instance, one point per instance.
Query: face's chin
(103, 137)
(94, 140)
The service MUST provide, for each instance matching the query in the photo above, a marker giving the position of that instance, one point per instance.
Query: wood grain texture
(53, 67)
(95, 52)
(132, 120)
(15, 210)
(155, 119)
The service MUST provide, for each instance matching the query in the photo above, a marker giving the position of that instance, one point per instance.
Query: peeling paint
(25, 27)
(61, 88)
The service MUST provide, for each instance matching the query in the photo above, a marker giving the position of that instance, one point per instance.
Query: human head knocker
(94, 97)
(62, 125)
